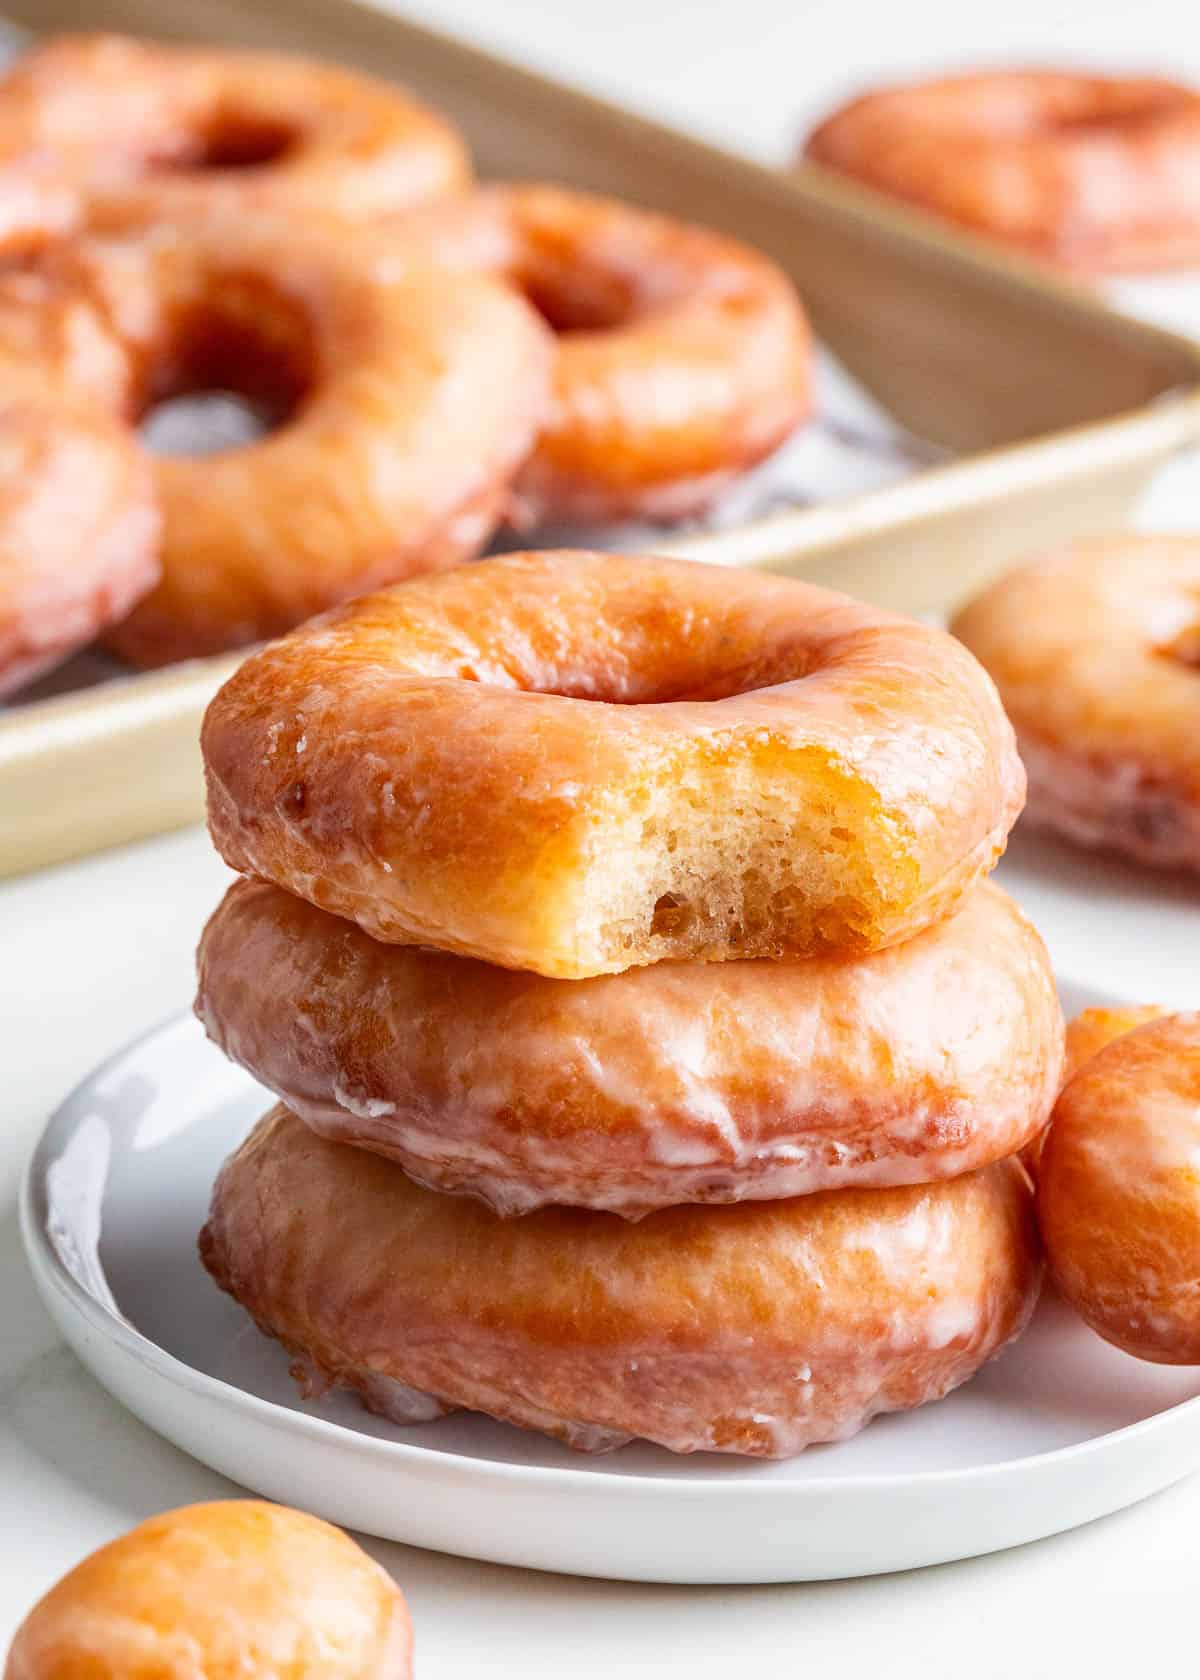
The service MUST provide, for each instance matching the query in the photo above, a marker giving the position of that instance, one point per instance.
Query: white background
(95, 951)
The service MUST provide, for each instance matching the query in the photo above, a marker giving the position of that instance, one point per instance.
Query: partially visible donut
(1087, 1034)
(79, 528)
(238, 1587)
(1096, 652)
(407, 398)
(683, 357)
(1093, 173)
(144, 127)
(756, 1329)
(681, 1082)
(578, 763)
(37, 205)
(1119, 1191)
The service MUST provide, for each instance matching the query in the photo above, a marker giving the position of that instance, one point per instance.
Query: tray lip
(1176, 416)
(51, 1274)
(1167, 422)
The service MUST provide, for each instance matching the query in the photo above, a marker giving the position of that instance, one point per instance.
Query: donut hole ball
(1119, 1191)
(235, 1588)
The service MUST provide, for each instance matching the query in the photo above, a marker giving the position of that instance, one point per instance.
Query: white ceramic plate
(1059, 1430)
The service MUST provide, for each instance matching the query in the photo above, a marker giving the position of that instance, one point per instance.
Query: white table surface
(95, 951)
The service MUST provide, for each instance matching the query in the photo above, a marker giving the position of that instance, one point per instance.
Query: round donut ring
(683, 358)
(1119, 1194)
(159, 130)
(682, 1082)
(410, 398)
(1096, 653)
(579, 763)
(1091, 173)
(235, 1587)
(79, 528)
(758, 1329)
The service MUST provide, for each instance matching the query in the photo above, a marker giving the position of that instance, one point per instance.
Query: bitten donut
(683, 1082)
(683, 358)
(1119, 1191)
(79, 528)
(578, 763)
(406, 400)
(756, 1329)
(1091, 173)
(234, 1588)
(158, 130)
(1096, 653)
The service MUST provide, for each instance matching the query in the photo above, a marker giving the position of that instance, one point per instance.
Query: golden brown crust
(1090, 649)
(683, 357)
(755, 1329)
(1119, 1191)
(1086, 1036)
(238, 1590)
(578, 763)
(680, 1082)
(410, 399)
(79, 529)
(1092, 173)
(159, 130)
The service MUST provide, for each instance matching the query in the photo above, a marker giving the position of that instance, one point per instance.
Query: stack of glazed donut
(431, 361)
(652, 1050)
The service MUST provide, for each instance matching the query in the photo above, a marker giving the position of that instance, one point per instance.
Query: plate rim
(49, 1272)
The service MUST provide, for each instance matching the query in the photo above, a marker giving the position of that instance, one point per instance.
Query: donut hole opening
(236, 370)
(578, 302)
(239, 140)
(1185, 648)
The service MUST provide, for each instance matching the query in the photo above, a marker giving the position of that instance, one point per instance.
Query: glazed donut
(409, 399)
(158, 130)
(1096, 653)
(757, 1329)
(1091, 173)
(37, 206)
(682, 1082)
(683, 358)
(578, 763)
(79, 528)
(238, 1587)
(1087, 1034)
(1092, 1029)
(1119, 1191)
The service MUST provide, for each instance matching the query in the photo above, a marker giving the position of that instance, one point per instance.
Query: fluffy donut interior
(743, 851)
(740, 838)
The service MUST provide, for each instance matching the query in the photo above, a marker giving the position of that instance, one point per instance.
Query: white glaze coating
(756, 1330)
(681, 1082)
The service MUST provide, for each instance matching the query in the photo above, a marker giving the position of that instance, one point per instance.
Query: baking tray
(1056, 410)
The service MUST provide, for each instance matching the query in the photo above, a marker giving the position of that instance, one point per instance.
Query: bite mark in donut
(578, 763)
